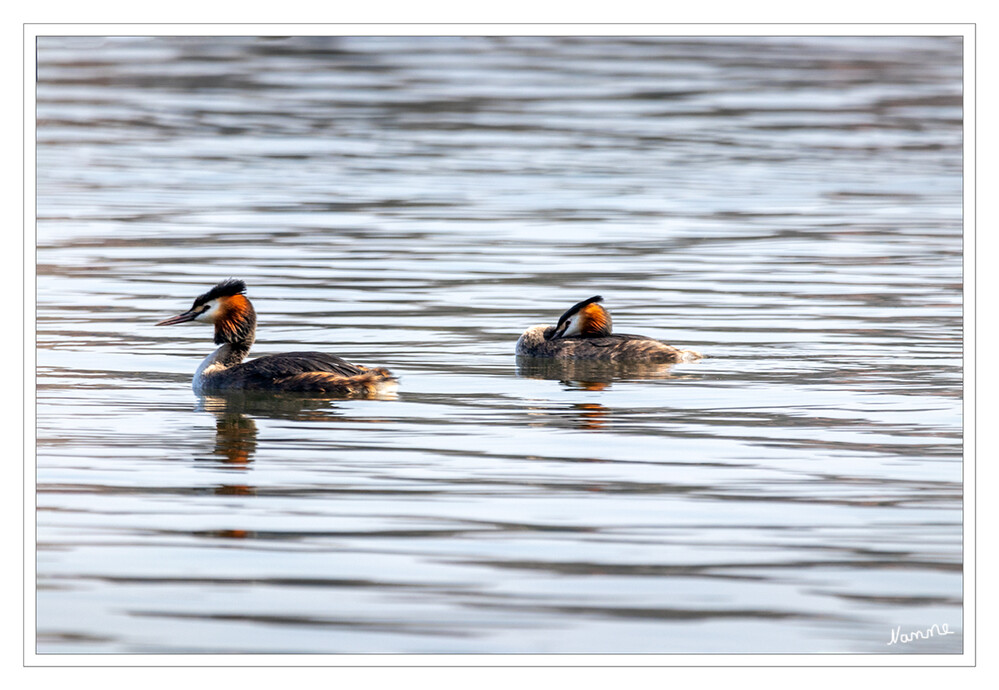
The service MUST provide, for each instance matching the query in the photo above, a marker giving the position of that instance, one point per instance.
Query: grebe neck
(218, 362)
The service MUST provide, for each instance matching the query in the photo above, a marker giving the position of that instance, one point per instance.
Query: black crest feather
(576, 307)
(227, 288)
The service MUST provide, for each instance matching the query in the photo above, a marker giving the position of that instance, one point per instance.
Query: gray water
(789, 207)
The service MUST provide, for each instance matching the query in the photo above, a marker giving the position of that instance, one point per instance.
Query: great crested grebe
(584, 332)
(227, 308)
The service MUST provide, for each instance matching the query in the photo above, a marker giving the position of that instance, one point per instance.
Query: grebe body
(584, 332)
(226, 307)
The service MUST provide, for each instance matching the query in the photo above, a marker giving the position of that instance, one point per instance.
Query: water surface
(789, 207)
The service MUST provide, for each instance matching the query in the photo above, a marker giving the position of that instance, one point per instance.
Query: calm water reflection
(790, 208)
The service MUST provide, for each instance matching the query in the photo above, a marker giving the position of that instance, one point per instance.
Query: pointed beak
(557, 332)
(189, 315)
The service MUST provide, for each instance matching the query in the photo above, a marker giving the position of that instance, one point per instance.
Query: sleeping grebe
(227, 307)
(584, 332)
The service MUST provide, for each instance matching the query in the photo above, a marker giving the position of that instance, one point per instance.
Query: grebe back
(584, 332)
(227, 308)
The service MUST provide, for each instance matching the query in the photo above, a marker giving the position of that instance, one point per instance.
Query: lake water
(789, 207)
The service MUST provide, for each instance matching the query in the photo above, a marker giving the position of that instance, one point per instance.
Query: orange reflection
(235, 439)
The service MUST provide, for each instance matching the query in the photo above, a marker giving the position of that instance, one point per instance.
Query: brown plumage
(237, 320)
(227, 308)
(583, 332)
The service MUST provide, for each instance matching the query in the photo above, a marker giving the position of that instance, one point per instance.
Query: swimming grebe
(584, 332)
(235, 321)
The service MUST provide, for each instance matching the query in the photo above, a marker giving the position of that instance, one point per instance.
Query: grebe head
(587, 319)
(225, 306)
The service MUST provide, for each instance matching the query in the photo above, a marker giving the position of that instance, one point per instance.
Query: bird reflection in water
(590, 415)
(235, 438)
(236, 431)
(587, 375)
(587, 416)
(592, 375)
(235, 444)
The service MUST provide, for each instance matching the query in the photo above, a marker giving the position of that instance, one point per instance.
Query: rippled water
(789, 207)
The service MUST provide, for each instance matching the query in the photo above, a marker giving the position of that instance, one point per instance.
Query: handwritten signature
(905, 637)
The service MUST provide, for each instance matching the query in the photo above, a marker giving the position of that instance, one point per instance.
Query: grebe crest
(584, 332)
(227, 308)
